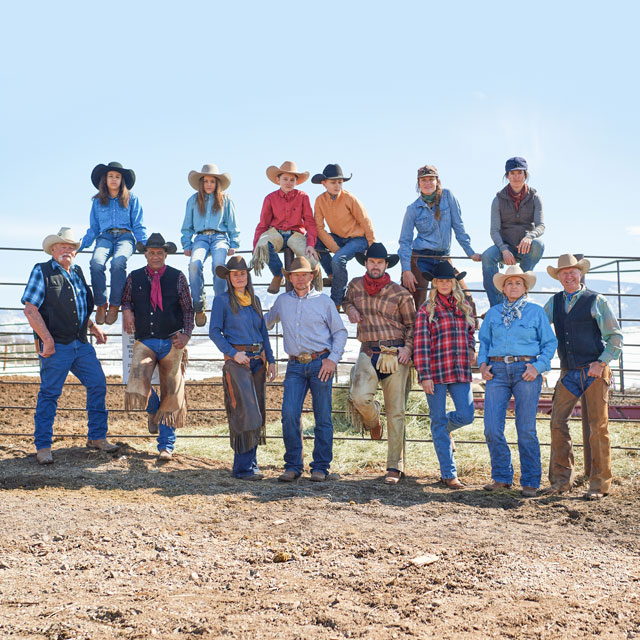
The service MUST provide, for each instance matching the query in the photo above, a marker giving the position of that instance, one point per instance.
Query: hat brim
(584, 265)
(102, 169)
(427, 275)
(224, 179)
(392, 259)
(169, 247)
(500, 278)
(273, 172)
(320, 177)
(52, 239)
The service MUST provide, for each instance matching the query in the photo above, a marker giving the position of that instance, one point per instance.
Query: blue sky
(381, 88)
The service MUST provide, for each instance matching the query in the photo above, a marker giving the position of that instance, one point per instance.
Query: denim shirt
(194, 222)
(113, 216)
(530, 335)
(432, 234)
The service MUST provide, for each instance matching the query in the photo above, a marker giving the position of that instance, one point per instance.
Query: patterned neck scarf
(156, 289)
(244, 299)
(449, 303)
(375, 285)
(517, 198)
(513, 310)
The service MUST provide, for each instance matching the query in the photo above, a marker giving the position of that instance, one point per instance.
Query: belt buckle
(509, 359)
(304, 358)
(255, 346)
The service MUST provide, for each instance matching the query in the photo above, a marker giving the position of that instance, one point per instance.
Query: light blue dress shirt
(195, 222)
(113, 216)
(311, 323)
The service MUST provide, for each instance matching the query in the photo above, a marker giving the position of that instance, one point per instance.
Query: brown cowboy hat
(569, 261)
(300, 265)
(235, 263)
(64, 236)
(515, 271)
(286, 167)
(224, 179)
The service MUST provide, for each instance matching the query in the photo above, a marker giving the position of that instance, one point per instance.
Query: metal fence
(21, 357)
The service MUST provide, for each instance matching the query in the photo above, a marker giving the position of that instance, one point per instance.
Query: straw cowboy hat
(569, 261)
(156, 241)
(64, 236)
(235, 263)
(224, 179)
(515, 271)
(286, 167)
(100, 170)
(378, 250)
(330, 172)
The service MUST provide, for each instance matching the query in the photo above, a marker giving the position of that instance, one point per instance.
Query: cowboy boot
(112, 314)
(274, 287)
(201, 318)
(101, 314)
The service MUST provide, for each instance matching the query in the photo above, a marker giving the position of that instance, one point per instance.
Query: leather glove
(388, 360)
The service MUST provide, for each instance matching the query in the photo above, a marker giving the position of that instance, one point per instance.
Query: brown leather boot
(101, 314)
(274, 287)
(112, 314)
(201, 318)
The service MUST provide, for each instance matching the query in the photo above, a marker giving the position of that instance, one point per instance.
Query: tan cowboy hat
(64, 236)
(528, 277)
(224, 179)
(569, 261)
(300, 265)
(235, 263)
(286, 167)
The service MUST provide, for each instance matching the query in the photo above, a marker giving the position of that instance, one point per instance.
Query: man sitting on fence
(58, 305)
(589, 339)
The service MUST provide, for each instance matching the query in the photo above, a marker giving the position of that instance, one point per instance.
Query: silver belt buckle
(304, 358)
(508, 359)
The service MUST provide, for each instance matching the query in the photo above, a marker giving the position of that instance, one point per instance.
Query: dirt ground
(115, 546)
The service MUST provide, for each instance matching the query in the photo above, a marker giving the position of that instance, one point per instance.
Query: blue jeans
(507, 381)
(299, 379)
(428, 264)
(443, 423)
(118, 247)
(204, 246)
(275, 264)
(79, 358)
(166, 435)
(336, 266)
(492, 257)
(245, 464)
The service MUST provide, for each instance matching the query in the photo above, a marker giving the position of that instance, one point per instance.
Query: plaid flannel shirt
(389, 315)
(441, 351)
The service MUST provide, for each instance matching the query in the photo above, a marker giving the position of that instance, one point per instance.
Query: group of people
(396, 326)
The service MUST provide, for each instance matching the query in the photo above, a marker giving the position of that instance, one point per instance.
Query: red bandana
(517, 197)
(156, 289)
(375, 285)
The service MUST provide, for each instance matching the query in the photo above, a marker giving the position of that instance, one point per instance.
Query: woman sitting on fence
(239, 332)
(516, 347)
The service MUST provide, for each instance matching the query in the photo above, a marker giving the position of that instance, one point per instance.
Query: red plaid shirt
(441, 347)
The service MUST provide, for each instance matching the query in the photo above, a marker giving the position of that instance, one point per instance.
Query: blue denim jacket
(530, 335)
(432, 234)
(194, 222)
(113, 216)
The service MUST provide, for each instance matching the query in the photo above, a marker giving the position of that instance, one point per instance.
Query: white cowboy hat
(528, 277)
(64, 236)
(569, 261)
(224, 179)
(286, 167)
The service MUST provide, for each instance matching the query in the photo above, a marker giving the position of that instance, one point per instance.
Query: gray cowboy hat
(156, 241)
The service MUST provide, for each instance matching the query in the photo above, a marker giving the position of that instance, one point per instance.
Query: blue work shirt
(530, 335)
(113, 216)
(311, 323)
(194, 222)
(432, 234)
(245, 327)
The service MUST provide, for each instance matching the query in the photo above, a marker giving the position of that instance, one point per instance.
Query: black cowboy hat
(156, 241)
(443, 271)
(102, 169)
(378, 250)
(330, 172)
(235, 263)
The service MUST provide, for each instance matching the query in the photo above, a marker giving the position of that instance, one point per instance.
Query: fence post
(620, 316)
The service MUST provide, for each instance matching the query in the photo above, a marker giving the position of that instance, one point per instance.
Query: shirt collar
(312, 294)
(575, 294)
(56, 265)
(287, 196)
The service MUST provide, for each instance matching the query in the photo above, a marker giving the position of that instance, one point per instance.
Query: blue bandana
(513, 310)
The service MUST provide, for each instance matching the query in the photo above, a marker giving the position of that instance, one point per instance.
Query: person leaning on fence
(58, 305)
(516, 347)
(239, 332)
(435, 214)
(211, 218)
(314, 338)
(116, 225)
(350, 228)
(286, 220)
(517, 222)
(443, 353)
(385, 314)
(589, 339)
(157, 309)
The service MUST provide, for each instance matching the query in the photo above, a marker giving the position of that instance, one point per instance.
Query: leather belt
(117, 230)
(209, 232)
(510, 359)
(374, 347)
(306, 358)
(256, 347)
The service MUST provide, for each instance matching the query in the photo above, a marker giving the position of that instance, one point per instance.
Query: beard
(376, 275)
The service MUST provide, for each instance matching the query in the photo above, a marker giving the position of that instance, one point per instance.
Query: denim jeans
(507, 381)
(79, 358)
(336, 266)
(118, 247)
(428, 264)
(204, 246)
(443, 423)
(166, 435)
(492, 257)
(299, 379)
(275, 264)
